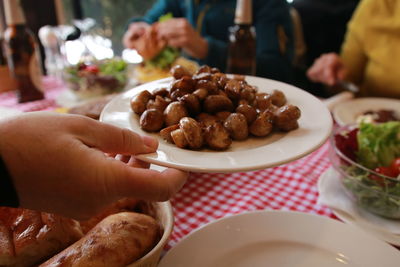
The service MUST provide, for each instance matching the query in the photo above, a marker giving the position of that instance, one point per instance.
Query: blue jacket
(212, 18)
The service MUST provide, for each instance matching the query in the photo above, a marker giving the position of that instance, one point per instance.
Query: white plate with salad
(349, 112)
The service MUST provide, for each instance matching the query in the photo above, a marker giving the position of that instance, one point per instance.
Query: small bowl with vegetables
(96, 78)
(367, 157)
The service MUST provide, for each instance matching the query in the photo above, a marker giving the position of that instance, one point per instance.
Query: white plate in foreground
(281, 239)
(347, 112)
(251, 154)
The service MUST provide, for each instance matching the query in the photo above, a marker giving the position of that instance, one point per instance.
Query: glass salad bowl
(90, 79)
(367, 158)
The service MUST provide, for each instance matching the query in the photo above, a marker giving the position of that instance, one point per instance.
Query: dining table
(207, 197)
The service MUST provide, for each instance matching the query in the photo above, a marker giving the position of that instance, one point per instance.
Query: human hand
(327, 69)
(135, 30)
(58, 164)
(179, 33)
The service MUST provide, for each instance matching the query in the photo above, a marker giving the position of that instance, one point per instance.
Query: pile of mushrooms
(208, 109)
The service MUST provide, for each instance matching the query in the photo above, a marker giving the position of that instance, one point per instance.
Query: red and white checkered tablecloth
(209, 196)
(52, 88)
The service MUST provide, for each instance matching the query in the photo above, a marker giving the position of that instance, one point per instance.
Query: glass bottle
(242, 41)
(7, 82)
(22, 53)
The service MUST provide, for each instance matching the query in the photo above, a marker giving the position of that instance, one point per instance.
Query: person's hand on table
(327, 69)
(62, 164)
(179, 33)
(133, 33)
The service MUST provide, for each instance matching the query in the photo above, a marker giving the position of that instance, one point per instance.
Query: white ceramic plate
(333, 194)
(348, 112)
(279, 238)
(251, 154)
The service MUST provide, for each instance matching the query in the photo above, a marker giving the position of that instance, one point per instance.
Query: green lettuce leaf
(378, 144)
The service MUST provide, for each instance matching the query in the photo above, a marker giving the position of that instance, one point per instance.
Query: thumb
(112, 139)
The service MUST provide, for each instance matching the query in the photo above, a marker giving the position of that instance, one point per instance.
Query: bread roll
(28, 237)
(117, 240)
(125, 204)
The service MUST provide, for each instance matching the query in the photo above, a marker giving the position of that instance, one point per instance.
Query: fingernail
(150, 142)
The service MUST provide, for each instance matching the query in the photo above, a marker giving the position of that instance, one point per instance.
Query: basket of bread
(127, 233)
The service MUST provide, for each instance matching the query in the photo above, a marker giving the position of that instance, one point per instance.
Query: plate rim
(154, 158)
(339, 107)
(285, 213)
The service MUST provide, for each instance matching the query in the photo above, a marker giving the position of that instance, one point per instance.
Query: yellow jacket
(371, 50)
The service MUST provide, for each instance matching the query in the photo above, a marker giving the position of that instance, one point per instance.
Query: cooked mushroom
(191, 103)
(185, 84)
(262, 126)
(215, 103)
(139, 102)
(192, 131)
(175, 95)
(152, 120)
(248, 93)
(286, 117)
(202, 76)
(158, 103)
(204, 69)
(278, 98)
(201, 93)
(174, 112)
(163, 92)
(206, 119)
(248, 111)
(217, 137)
(263, 101)
(166, 132)
(236, 124)
(179, 138)
(223, 115)
(233, 88)
(178, 71)
(210, 86)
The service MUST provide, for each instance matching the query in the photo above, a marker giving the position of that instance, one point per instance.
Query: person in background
(323, 24)
(369, 56)
(58, 163)
(200, 29)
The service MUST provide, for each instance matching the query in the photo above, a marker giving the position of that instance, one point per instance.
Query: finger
(123, 158)
(145, 183)
(136, 163)
(112, 139)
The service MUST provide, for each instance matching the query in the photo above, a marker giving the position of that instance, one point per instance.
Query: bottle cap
(244, 14)
(14, 13)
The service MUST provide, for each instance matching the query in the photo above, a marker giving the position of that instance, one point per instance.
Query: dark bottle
(242, 41)
(22, 53)
(7, 82)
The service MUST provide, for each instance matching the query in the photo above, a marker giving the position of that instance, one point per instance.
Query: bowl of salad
(95, 78)
(367, 157)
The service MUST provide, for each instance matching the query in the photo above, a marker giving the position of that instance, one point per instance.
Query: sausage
(117, 240)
